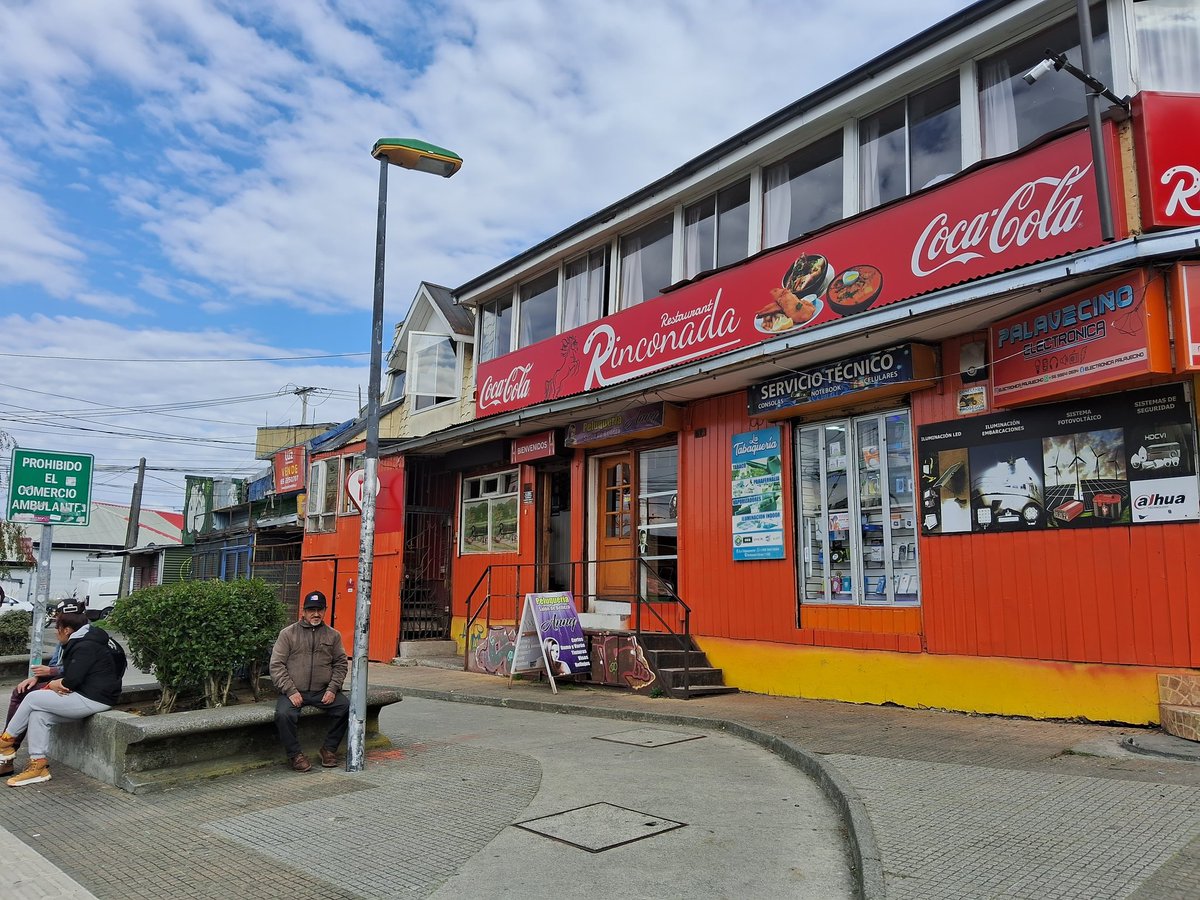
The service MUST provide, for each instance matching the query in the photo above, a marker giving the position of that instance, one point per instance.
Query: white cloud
(54, 394)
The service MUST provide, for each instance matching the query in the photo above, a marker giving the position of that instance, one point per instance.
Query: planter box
(141, 754)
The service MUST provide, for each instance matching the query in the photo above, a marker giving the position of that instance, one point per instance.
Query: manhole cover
(599, 826)
(649, 737)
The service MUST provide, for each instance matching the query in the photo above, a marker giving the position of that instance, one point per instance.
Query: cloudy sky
(187, 197)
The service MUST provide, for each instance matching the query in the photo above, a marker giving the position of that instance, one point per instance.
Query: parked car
(15, 604)
(98, 595)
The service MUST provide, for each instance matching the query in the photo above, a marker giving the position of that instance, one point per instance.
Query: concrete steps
(1179, 705)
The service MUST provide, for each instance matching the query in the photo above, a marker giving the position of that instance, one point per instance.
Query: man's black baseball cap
(314, 600)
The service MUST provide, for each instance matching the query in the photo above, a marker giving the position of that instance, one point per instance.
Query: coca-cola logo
(512, 387)
(1037, 210)
(1186, 186)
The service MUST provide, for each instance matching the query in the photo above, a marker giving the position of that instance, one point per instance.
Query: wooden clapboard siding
(512, 573)
(753, 600)
(1124, 594)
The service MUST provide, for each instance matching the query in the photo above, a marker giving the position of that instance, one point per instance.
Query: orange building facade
(938, 452)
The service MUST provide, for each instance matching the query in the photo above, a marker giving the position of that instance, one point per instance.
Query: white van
(98, 594)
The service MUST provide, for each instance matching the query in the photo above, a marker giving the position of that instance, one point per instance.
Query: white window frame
(316, 517)
(412, 382)
(493, 490)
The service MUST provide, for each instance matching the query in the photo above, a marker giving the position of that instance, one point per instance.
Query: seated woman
(89, 684)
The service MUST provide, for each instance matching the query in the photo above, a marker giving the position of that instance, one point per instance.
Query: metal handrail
(636, 598)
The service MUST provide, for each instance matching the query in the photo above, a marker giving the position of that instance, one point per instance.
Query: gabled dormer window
(432, 375)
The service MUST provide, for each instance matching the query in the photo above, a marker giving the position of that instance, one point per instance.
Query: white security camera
(1046, 65)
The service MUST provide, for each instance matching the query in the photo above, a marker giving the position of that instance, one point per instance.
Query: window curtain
(1168, 42)
(778, 214)
(631, 272)
(868, 163)
(575, 296)
(998, 110)
(487, 335)
(691, 240)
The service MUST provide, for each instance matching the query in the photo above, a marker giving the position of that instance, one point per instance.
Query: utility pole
(134, 529)
(302, 393)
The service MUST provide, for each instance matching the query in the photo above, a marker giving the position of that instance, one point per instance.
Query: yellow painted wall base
(1000, 686)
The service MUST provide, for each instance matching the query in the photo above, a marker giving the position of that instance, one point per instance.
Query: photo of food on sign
(810, 284)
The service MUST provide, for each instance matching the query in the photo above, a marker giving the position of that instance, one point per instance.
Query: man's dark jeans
(287, 718)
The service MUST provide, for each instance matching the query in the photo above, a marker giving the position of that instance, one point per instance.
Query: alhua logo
(1159, 500)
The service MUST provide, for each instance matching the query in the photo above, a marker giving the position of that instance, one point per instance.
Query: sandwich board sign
(49, 487)
(550, 638)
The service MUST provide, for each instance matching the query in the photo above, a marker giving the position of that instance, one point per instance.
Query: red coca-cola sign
(1018, 211)
(1168, 158)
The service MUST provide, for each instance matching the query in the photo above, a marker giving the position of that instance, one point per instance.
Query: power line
(222, 360)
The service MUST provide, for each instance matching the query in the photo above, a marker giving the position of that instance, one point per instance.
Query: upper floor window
(539, 309)
(350, 464)
(1168, 42)
(396, 385)
(320, 507)
(646, 262)
(716, 231)
(911, 144)
(585, 285)
(1013, 113)
(432, 375)
(495, 336)
(803, 192)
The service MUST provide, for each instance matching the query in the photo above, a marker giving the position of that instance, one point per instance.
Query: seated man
(308, 666)
(39, 678)
(89, 684)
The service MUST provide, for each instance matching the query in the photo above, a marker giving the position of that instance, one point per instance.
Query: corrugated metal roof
(107, 527)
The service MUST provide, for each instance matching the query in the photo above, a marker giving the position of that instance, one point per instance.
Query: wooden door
(615, 533)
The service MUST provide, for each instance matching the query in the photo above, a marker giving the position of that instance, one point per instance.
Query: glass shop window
(489, 514)
(857, 518)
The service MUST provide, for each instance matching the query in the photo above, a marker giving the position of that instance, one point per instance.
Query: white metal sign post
(49, 488)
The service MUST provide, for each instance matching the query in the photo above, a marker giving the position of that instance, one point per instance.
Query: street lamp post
(423, 157)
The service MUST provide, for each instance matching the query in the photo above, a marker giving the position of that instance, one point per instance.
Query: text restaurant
(940, 452)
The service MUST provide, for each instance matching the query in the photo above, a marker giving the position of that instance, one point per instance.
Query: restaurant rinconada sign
(1037, 206)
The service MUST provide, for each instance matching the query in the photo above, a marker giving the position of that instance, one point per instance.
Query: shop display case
(857, 510)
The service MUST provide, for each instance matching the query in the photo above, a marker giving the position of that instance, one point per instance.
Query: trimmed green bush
(14, 632)
(193, 635)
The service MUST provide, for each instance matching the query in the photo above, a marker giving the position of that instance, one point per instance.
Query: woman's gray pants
(41, 709)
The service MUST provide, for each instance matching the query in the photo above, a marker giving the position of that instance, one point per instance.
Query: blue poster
(757, 490)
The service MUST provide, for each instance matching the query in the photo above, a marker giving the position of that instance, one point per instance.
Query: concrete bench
(141, 754)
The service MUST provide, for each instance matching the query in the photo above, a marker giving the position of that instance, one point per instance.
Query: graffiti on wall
(617, 659)
(490, 648)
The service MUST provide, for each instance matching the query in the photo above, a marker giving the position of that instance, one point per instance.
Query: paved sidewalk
(957, 806)
(938, 805)
(472, 801)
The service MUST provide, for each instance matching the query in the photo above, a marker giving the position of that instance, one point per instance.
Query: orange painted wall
(511, 574)
(330, 565)
(757, 600)
(1126, 595)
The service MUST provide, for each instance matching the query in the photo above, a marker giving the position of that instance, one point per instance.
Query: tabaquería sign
(49, 487)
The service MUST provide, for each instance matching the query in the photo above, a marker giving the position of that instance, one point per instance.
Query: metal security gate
(279, 565)
(428, 540)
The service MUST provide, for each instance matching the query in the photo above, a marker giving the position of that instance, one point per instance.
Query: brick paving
(960, 807)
